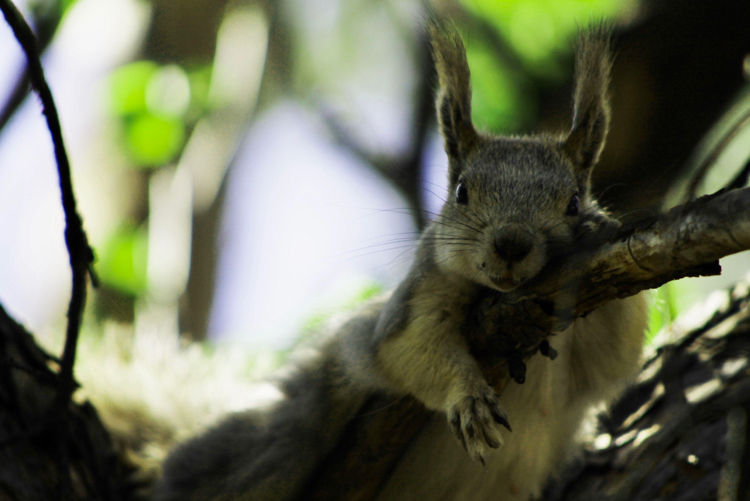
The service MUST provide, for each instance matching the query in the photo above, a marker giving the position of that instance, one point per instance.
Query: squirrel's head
(511, 199)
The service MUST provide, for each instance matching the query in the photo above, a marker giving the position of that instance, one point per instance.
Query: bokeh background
(246, 169)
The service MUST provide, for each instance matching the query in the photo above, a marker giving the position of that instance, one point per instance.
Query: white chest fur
(598, 355)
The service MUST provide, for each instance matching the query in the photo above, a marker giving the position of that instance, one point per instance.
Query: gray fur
(270, 454)
(395, 314)
(496, 231)
(591, 110)
(454, 95)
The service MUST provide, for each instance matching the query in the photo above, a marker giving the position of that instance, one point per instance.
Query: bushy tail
(152, 394)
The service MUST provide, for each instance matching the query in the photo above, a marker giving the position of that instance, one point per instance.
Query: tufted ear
(454, 96)
(590, 101)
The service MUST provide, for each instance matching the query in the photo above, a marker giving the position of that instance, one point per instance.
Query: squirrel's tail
(152, 394)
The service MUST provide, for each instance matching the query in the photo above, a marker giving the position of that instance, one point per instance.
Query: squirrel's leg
(439, 371)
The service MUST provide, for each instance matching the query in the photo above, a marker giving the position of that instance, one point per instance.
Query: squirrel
(511, 200)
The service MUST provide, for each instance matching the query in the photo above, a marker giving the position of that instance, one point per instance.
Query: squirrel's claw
(454, 418)
(498, 413)
(473, 419)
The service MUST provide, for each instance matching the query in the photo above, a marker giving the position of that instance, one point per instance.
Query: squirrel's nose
(513, 244)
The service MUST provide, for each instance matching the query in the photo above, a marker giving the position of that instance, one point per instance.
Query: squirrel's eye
(572, 209)
(462, 194)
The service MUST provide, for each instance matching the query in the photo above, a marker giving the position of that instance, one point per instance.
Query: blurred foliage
(317, 321)
(368, 292)
(199, 80)
(123, 260)
(539, 34)
(663, 310)
(66, 5)
(157, 105)
(128, 87)
(497, 101)
(153, 140)
(45, 10)
(538, 28)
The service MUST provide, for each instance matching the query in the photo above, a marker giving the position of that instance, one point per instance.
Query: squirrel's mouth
(504, 284)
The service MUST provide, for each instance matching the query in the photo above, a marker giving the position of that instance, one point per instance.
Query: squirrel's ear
(454, 96)
(590, 100)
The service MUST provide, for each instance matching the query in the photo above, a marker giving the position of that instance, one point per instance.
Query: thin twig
(45, 24)
(710, 160)
(81, 255)
(741, 178)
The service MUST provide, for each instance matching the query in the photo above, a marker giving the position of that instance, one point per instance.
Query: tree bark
(681, 432)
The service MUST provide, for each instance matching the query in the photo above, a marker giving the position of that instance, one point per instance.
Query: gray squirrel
(510, 201)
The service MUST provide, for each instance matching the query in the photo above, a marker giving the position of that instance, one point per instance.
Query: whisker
(650, 212)
(437, 221)
(476, 219)
(442, 221)
(376, 251)
(407, 243)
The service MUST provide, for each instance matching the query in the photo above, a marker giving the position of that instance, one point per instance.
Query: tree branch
(686, 241)
(81, 255)
(682, 401)
(46, 19)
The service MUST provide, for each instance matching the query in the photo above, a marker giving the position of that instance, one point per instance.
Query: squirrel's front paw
(473, 421)
(598, 225)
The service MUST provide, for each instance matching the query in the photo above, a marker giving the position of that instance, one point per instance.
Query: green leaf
(127, 87)
(152, 141)
(122, 263)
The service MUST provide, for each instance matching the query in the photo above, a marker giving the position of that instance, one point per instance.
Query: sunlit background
(247, 169)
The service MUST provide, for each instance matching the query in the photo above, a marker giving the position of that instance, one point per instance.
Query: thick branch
(67, 456)
(687, 241)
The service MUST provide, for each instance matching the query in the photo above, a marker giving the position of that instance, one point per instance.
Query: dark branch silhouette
(81, 254)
